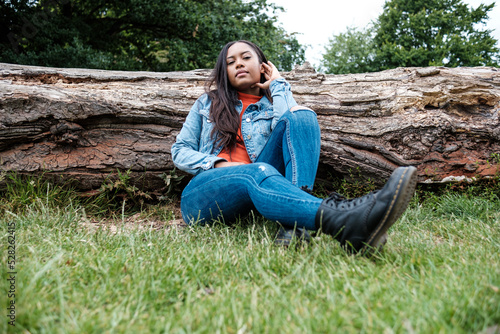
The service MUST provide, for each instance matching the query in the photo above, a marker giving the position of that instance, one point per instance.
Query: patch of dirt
(135, 222)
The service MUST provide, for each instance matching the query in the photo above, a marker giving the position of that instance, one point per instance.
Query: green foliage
(433, 33)
(22, 191)
(154, 35)
(118, 193)
(486, 188)
(438, 273)
(352, 51)
(173, 183)
(416, 33)
(496, 158)
(353, 185)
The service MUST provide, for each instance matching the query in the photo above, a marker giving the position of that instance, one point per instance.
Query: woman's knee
(262, 170)
(300, 112)
(297, 108)
(302, 116)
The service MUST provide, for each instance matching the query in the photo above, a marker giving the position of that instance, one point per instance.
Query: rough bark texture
(86, 124)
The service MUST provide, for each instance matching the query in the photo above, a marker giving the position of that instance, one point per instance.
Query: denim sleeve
(185, 151)
(283, 100)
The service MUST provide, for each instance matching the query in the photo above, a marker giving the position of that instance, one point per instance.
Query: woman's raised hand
(271, 73)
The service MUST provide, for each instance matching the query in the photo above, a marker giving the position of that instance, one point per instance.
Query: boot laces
(340, 201)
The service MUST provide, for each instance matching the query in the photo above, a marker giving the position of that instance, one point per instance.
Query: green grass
(440, 272)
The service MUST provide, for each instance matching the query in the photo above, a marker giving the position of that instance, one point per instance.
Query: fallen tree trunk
(86, 124)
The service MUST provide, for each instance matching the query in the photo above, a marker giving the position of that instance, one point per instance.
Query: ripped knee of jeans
(299, 108)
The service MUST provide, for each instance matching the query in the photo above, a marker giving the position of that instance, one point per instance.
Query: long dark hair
(224, 98)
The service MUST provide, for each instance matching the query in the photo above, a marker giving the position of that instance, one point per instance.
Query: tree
(350, 52)
(155, 35)
(433, 32)
(415, 33)
(83, 125)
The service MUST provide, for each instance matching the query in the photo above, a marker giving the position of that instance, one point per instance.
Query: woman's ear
(262, 69)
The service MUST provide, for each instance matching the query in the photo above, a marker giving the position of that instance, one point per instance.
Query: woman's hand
(270, 73)
(227, 164)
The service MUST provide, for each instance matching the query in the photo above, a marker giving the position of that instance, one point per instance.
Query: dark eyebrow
(240, 54)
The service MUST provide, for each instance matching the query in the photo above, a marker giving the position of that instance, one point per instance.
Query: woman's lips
(239, 73)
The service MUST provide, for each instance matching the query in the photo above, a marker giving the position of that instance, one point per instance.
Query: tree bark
(84, 125)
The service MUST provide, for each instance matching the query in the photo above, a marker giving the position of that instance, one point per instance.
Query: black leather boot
(361, 223)
(285, 236)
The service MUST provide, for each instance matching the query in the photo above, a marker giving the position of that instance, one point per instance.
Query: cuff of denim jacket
(211, 162)
(278, 81)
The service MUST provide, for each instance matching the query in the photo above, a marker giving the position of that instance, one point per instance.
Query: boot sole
(401, 199)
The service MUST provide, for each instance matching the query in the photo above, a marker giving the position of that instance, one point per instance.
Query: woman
(251, 147)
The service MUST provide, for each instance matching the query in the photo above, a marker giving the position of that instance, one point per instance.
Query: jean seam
(291, 152)
(213, 180)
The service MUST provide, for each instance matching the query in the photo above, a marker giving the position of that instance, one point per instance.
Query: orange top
(239, 152)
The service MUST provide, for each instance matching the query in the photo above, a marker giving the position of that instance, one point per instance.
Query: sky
(318, 20)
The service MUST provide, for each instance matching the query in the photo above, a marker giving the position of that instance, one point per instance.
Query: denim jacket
(194, 151)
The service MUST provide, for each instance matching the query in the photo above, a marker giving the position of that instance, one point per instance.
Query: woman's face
(243, 68)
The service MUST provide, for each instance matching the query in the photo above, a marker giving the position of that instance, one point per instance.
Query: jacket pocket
(262, 123)
(206, 129)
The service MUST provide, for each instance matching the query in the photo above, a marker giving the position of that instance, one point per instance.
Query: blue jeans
(271, 185)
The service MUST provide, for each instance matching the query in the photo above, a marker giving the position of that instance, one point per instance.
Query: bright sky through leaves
(318, 20)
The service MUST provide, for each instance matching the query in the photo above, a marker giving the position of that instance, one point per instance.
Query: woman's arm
(186, 151)
(281, 91)
(283, 100)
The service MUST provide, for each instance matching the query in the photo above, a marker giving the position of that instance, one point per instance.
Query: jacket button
(248, 120)
(249, 137)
